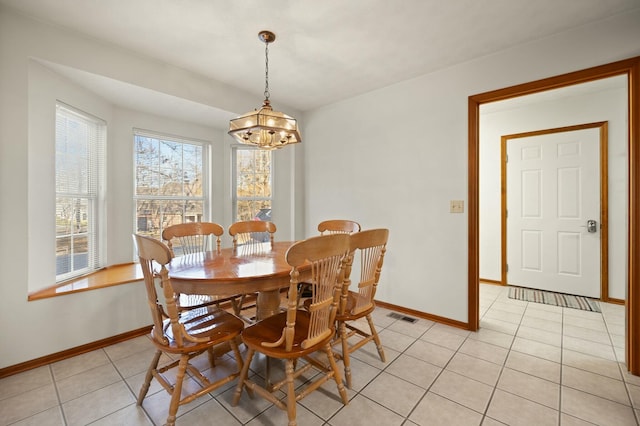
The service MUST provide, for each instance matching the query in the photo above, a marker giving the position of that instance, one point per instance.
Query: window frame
(205, 198)
(234, 180)
(95, 192)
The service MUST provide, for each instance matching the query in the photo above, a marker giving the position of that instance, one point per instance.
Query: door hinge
(506, 267)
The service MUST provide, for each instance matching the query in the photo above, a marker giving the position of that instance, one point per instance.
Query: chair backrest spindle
(369, 247)
(327, 255)
(252, 236)
(192, 237)
(338, 226)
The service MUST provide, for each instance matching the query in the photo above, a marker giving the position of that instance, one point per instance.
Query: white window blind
(80, 157)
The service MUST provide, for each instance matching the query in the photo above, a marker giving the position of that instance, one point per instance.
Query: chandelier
(265, 128)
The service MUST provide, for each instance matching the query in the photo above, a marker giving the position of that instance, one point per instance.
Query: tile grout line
(407, 421)
(616, 361)
(560, 389)
(358, 393)
(559, 410)
(622, 373)
(55, 386)
(432, 382)
(124, 381)
(502, 367)
(415, 339)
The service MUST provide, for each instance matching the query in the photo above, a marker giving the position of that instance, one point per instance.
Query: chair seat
(270, 330)
(217, 326)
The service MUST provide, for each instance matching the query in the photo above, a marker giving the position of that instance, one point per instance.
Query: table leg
(267, 304)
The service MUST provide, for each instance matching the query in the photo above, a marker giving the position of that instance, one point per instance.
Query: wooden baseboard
(492, 282)
(59, 356)
(615, 301)
(424, 315)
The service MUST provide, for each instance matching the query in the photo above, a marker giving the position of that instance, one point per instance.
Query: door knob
(592, 225)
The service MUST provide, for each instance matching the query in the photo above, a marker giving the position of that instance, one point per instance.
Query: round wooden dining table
(245, 270)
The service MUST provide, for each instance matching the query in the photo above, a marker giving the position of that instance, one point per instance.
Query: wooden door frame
(630, 68)
(603, 159)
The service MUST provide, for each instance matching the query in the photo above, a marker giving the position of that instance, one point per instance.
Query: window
(170, 177)
(252, 198)
(80, 153)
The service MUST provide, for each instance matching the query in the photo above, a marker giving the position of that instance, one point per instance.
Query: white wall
(45, 88)
(610, 106)
(27, 121)
(390, 158)
(396, 156)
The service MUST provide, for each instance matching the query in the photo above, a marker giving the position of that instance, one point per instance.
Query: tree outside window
(253, 184)
(169, 182)
(80, 142)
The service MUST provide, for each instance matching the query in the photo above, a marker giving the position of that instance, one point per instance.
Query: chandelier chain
(266, 70)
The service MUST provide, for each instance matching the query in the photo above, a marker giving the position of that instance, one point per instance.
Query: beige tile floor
(530, 364)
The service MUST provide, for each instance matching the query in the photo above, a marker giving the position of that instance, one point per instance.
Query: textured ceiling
(325, 50)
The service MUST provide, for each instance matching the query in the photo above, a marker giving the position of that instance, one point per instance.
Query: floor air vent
(402, 317)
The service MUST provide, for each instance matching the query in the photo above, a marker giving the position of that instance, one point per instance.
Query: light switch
(456, 206)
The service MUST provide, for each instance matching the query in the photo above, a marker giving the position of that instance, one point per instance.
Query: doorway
(631, 69)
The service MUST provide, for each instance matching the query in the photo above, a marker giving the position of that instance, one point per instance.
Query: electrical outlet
(456, 206)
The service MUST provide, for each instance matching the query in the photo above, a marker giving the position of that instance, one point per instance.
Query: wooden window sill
(106, 277)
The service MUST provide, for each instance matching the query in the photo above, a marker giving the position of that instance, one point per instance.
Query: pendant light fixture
(265, 128)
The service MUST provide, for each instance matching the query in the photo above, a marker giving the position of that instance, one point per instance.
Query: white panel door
(553, 190)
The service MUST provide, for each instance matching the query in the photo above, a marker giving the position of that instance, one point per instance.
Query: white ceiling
(325, 50)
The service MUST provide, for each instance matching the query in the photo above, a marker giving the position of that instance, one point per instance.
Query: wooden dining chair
(333, 226)
(251, 237)
(197, 237)
(368, 248)
(181, 337)
(338, 226)
(193, 237)
(301, 334)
